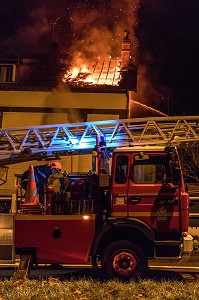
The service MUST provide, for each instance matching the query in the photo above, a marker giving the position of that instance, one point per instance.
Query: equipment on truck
(42, 174)
(130, 207)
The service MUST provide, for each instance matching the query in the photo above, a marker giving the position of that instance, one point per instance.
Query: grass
(89, 289)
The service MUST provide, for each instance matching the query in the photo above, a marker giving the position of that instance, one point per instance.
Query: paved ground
(192, 265)
(158, 269)
(66, 273)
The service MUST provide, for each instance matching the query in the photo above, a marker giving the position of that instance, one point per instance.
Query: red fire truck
(130, 207)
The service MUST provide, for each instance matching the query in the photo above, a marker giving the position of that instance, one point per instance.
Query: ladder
(27, 143)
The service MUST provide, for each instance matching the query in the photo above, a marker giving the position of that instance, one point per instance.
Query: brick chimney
(126, 50)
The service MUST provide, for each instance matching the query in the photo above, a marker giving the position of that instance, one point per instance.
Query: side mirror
(176, 176)
(169, 185)
(175, 173)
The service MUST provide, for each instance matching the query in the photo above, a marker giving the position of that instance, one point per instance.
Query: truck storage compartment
(7, 245)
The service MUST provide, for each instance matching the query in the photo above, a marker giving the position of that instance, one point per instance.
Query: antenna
(53, 29)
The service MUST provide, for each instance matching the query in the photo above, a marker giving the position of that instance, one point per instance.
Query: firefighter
(59, 181)
(42, 174)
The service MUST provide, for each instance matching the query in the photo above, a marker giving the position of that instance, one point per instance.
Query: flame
(100, 72)
(84, 69)
(74, 72)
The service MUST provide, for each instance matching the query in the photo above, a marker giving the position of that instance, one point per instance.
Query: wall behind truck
(21, 119)
(60, 100)
(82, 163)
(71, 164)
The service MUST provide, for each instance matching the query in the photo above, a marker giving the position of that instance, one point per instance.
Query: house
(36, 90)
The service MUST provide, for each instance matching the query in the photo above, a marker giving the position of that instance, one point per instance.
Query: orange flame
(101, 72)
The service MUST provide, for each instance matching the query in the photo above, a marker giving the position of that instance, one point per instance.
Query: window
(153, 170)
(121, 169)
(7, 73)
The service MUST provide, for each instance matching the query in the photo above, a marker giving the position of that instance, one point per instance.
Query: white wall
(99, 117)
(55, 99)
(20, 119)
(60, 99)
(82, 163)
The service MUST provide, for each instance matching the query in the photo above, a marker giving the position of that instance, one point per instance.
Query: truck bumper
(187, 248)
(187, 244)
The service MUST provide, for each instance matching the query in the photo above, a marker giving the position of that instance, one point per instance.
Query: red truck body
(120, 220)
(57, 239)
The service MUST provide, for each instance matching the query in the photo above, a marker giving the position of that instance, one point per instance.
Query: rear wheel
(124, 260)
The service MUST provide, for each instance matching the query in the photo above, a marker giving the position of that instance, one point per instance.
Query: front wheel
(124, 260)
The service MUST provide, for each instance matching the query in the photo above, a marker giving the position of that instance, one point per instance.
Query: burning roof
(104, 71)
(102, 74)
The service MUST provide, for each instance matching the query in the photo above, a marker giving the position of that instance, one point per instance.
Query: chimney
(126, 50)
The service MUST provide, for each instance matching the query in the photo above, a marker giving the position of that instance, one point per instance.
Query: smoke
(90, 27)
(99, 31)
(28, 35)
(168, 53)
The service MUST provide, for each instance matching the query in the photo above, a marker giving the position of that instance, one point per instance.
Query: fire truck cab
(149, 212)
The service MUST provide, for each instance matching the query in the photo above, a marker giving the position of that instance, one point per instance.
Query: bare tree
(189, 154)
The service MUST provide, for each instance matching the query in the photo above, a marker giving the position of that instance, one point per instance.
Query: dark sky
(167, 34)
(91, 25)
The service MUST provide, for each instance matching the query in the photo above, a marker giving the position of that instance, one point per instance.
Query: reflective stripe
(42, 174)
(54, 217)
(144, 214)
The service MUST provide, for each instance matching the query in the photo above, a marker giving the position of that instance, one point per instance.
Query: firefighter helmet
(55, 165)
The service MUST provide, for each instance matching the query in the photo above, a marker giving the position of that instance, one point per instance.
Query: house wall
(57, 99)
(20, 119)
(70, 164)
(59, 103)
(26, 108)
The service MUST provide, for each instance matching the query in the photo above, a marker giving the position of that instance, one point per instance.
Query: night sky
(166, 32)
(168, 36)
(91, 26)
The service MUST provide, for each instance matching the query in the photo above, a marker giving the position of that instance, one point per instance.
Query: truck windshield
(154, 170)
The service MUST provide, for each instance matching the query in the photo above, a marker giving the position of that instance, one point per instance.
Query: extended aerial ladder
(37, 142)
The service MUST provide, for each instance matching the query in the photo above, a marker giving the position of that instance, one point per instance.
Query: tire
(124, 260)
